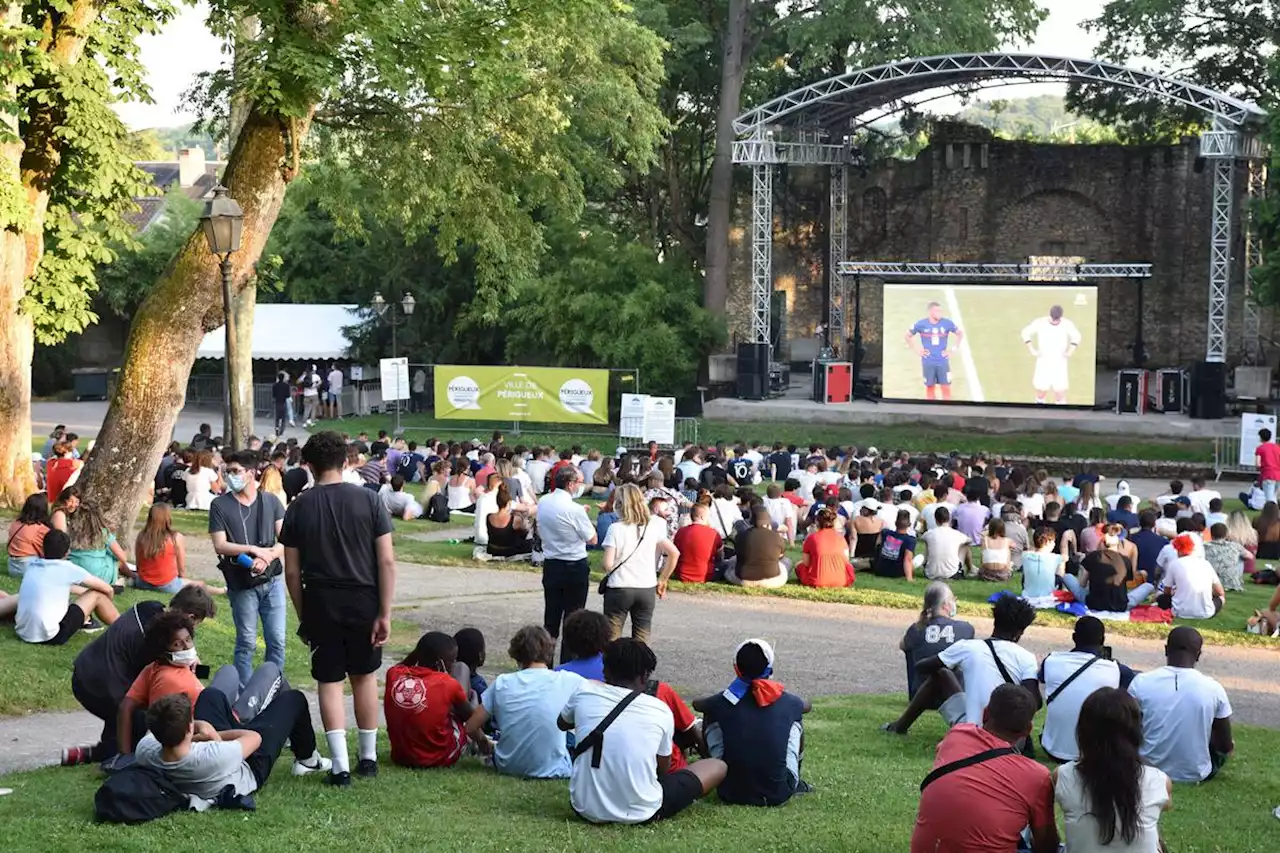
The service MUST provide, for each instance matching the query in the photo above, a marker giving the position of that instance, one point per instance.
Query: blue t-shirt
(1068, 493)
(604, 521)
(1150, 544)
(1126, 517)
(934, 336)
(524, 706)
(760, 745)
(592, 668)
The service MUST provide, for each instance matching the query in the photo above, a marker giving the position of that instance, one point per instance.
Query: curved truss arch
(868, 88)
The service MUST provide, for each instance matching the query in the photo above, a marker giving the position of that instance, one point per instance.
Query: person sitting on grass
(757, 728)
(426, 705)
(1189, 587)
(1069, 678)
(1100, 585)
(760, 559)
(40, 610)
(623, 777)
(105, 669)
(948, 552)
(980, 667)
(935, 630)
(471, 651)
(981, 794)
(1186, 716)
(701, 547)
(523, 706)
(1226, 557)
(399, 503)
(506, 528)
(1111, 798)
(27, 532)
(997, 553)
(826, 555)
(205, 749)
(161, 553)
(586, 633)
(1041, 566)
(896, 557)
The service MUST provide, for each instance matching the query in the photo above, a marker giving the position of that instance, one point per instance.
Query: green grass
(865, 800)
(1059, 444)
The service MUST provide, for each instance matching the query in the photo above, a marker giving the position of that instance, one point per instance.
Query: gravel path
(823, 649)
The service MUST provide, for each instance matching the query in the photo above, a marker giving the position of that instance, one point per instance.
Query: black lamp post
(222, 223)
(385, 311)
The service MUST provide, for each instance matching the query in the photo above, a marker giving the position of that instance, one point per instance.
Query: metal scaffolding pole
(1219, 146)
(837, 291)
(1252, 261)
(761, 249)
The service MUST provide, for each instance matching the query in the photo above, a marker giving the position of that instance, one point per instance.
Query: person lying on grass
(980, 667)
(756, 727)
(426, 705)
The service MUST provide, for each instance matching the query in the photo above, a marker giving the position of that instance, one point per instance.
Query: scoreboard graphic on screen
(990, 343)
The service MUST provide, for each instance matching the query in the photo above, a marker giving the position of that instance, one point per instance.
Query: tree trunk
(240, 368)
(167, 329)
(732, 70)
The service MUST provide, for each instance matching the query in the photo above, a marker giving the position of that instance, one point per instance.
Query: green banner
(565, 395)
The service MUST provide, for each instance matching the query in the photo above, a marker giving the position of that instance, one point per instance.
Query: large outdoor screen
(990, 343)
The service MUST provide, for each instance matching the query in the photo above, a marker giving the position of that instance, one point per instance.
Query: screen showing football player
(935, 333)
(1052, 340)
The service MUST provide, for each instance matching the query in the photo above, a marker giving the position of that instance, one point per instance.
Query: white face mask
(184, 657)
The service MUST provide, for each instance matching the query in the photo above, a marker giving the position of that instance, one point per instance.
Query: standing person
(933, 348)
(1267, 460)
(1110, 798)
(340, 568)
(631, 551)
(1186, 716)
(566, 531)
(1069, 678)
(310, 396)
(281, 394)
(933, 631)
(244, 525)
(1056, 340)
(335, 392)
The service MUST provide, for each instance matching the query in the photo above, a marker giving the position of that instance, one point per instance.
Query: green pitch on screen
(992, 364)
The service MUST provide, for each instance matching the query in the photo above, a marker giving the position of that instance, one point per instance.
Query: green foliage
(1266, 211)
(603, 301)
(127, 279)
(1044, 118)
(1222, 45)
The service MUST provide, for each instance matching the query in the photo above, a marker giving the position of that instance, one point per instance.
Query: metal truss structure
(1012, 272)
(837, 239)
(1252, 260)
(797, 127)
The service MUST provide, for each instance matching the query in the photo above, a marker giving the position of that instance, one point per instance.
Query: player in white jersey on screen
(1052, 340)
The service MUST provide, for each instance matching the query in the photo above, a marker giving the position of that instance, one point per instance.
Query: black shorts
(680, 790)
(338, 626)
(71, 622)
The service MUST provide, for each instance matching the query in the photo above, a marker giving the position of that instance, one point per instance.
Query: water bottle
(244, 560)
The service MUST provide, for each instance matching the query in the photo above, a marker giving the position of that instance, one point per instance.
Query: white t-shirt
(1053, 340)
(1059, 735)
(912, 511)
(310, 384)
(564, 526)
(829, 478)
(1082, 828)
(943, 558)
(524, 706)
(929, 513)
(980, 674)
(1200, 500)
(43, 598)
(1192, 578)
(199, 488)
(1178, 709)
(807, 480)
(638, 547)
(723, 514)
(1032, 505)
(335, 381)
(780, 510)
(537, 470)
(486, 505)
(888, 513)
(624, 788)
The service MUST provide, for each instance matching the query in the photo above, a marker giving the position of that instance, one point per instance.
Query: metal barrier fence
(1226, 457)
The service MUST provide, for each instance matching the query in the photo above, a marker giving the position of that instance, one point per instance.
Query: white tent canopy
(284, 331)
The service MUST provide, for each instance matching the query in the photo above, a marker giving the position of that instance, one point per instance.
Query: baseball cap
(621, 451)
(872, 504)
(763, 646)
(832, 489)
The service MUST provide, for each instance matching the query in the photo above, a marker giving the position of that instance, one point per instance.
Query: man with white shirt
(1186, 716)
(623, 744)
(537, 469)
(980, 666)
(1189, 586)
(808, 478)
(905, 495)
(949, 553)
(1069, 678)
(691, 466)
(334, 400)
(1201, 497)
(565, 530)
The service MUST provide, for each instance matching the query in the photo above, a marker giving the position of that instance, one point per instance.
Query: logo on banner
(463, 393)
(577, 397)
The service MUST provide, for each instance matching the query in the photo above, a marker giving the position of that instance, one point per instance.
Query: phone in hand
(202, 670)
(1106, 653)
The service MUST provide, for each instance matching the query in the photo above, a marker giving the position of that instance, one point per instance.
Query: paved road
(823, 649)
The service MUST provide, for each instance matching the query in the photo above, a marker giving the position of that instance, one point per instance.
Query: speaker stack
(1172, 391)
(1131, 392)
(1209, 390)
(753, 371)
(832, 382)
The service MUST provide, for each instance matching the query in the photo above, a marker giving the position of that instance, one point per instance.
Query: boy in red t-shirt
(426, 704)
(699, 545)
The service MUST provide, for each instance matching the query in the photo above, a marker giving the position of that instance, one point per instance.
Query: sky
(185, 48)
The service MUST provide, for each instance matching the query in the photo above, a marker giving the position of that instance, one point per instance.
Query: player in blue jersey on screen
(935, 333)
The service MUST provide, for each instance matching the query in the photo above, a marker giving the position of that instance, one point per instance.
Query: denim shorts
(171, 587)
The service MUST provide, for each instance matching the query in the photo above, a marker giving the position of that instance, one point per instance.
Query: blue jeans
(267, 601)
(1136, 596)
(1268, 489)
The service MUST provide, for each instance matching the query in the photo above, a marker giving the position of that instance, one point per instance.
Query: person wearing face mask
(934, 631)
(244, 524)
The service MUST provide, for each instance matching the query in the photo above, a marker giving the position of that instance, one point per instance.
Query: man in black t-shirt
(106, 668)
(743, 471)
(779, 462)
(340, 568)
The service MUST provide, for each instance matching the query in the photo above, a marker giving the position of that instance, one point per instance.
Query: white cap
(872, 504)
(871, 451)
(621, 451)
(764, 647)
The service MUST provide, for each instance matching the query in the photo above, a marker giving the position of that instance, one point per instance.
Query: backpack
(438, 508)
(136, 795)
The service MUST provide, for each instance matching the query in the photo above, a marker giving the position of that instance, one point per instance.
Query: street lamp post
(385, 311)
(222, 223)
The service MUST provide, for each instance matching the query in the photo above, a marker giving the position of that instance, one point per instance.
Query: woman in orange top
(826, 555)
(26, 534)
(161, 553)
(58, 470)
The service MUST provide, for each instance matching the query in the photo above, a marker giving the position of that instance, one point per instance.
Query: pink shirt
(1269, 461)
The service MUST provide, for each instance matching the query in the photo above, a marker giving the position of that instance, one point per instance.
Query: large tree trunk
(732, 70)
(184, 305)
(240, 369)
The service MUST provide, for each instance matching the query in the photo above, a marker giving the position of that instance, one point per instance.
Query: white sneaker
(321, 764)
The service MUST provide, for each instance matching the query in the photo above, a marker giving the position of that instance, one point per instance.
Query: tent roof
(287, 331)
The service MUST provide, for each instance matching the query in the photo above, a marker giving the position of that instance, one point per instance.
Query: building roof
(164, 173)
(283, 331)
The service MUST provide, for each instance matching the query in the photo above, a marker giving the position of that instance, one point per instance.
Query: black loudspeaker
(753, 371)
(1209, 390)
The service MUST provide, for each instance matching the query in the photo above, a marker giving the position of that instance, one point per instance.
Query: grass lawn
(1062, 444)
(866, 796)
